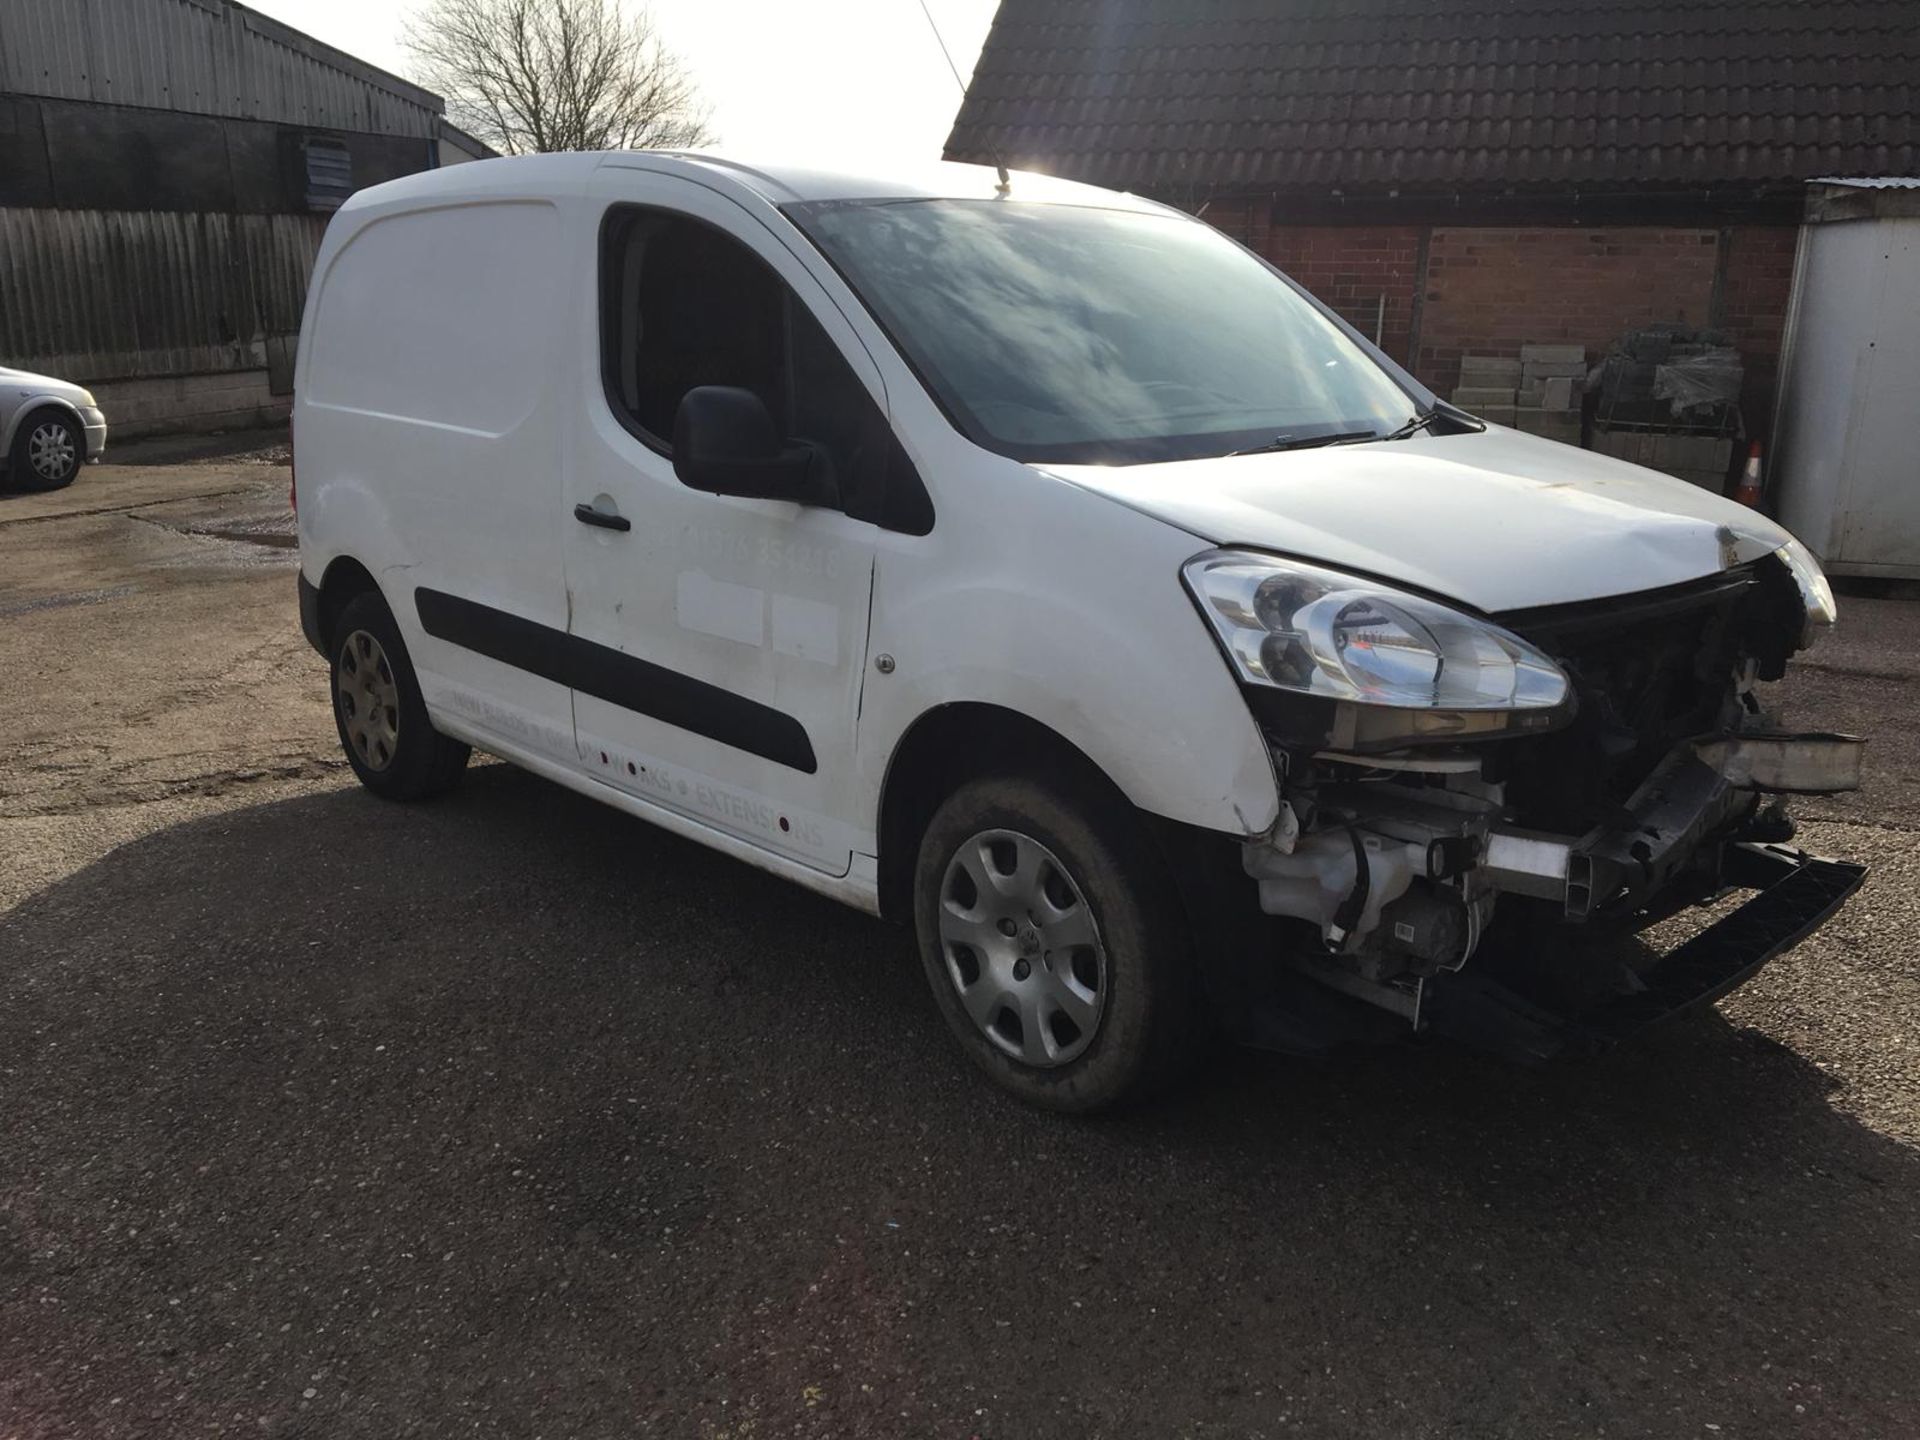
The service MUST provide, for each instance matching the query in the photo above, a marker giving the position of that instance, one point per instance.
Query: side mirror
(724, 442)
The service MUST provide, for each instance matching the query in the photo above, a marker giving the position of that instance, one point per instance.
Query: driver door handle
(587, 515)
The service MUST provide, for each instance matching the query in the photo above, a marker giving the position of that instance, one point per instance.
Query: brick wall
(1489, 291)
(1369, 274)
(1756, 282)
(1454, 290)
(1248, 221)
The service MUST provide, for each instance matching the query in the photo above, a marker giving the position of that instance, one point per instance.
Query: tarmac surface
(509, 1115)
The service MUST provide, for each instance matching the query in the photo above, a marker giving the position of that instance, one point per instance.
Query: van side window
(683, 304)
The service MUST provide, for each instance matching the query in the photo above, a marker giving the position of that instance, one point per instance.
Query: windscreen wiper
(1426, 420)
(1311, 442)
(1422, 421)
(1413, 427)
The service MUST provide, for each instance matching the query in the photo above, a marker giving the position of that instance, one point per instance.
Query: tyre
(377, 707)
(1054, 944)
(49, 447)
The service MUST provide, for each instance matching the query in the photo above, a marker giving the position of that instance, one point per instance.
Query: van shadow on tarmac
(509, 1113)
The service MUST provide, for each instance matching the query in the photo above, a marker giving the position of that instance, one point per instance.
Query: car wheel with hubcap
(1053, 943)
(48, 451)
(382, 719)
(369, 700)
(1022, 948)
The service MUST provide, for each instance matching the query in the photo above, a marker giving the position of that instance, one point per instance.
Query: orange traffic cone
(1748, 490)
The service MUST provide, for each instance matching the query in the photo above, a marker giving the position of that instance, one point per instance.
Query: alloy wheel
(52, 450)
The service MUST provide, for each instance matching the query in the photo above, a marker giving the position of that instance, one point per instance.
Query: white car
(48, 429)
(1033, 565)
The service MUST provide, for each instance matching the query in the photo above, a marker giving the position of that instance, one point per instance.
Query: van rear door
(428, 389)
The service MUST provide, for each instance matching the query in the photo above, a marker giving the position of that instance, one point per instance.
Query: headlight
(1815, 593)
(1398, 668)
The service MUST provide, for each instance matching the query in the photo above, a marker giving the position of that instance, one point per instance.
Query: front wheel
(1054, 944)
(378, 709)
(48, 451)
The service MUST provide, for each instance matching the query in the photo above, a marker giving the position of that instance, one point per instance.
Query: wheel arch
(343, 579)
(36, 406)
(1235, 941)
(943, 749)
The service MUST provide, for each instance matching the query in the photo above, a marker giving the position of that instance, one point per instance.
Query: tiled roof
(1374, 95)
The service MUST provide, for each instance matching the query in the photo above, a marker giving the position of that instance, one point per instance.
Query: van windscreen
(1084, 335)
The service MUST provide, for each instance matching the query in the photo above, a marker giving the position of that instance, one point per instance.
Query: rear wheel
(48, 451)
(382, 719)
(1054, 945)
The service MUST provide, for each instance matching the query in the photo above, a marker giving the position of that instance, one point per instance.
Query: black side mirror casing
(725, 443)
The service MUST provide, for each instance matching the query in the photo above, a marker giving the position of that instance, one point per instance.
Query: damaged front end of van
(1483, 814)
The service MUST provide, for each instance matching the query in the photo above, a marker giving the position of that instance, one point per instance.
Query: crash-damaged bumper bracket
(1797, 894)
(1691, 797)
(1418, 882)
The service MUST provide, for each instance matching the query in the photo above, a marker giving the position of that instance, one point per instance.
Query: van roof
(777, 184)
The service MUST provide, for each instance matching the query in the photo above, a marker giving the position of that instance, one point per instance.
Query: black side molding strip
(618, 678)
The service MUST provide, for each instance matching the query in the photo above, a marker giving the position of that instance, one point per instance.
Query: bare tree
(543, 75)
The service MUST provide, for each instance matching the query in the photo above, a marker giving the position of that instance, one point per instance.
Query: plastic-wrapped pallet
(1701, 381)
(1669, 374)
(1669, 398)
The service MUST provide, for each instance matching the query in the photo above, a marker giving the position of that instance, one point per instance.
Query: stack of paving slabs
(1539, 393)
(1552, 382)
(1701, 460)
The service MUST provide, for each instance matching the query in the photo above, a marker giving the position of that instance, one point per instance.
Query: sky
(829, 80)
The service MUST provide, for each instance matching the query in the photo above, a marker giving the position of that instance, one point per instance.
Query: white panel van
(1034, 566)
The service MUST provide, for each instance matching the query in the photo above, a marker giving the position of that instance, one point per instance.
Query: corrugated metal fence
(101, 295)
(205, 57)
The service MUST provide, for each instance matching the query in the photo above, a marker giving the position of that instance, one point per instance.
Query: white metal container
(1848, 470)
